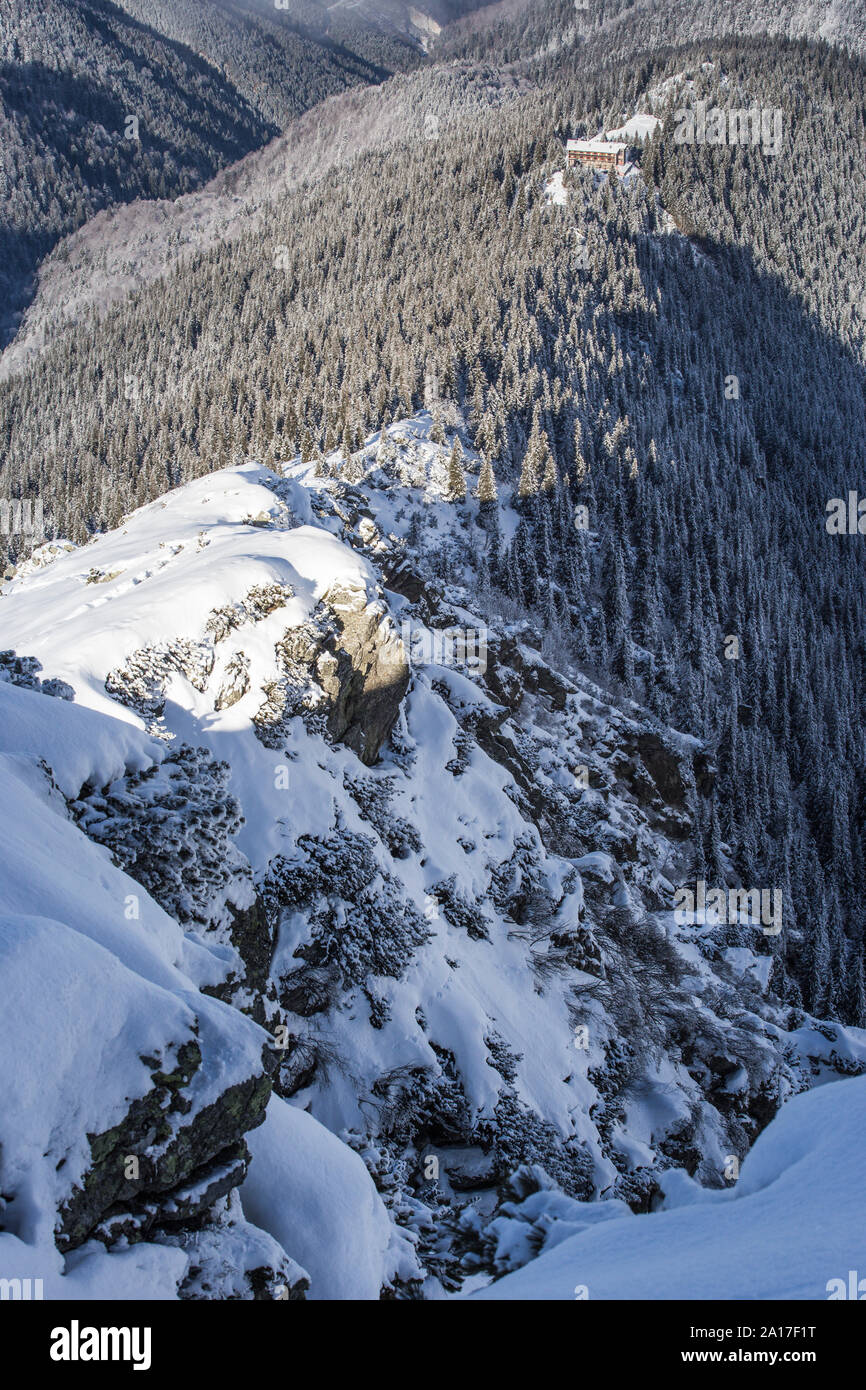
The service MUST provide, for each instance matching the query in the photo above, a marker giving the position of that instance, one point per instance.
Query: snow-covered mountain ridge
(429, 898)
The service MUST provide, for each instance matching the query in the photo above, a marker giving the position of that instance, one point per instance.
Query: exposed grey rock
(364, 672)
(253, 939)
(182, 1168)
(235, 682)
(345, 673)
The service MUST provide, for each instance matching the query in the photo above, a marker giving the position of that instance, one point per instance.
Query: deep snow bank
(794, 1221)
(314, 1195)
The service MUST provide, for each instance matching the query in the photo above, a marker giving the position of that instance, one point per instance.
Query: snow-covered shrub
(517, 1135)
(638, 1188)
(235, 682)
(261, 600)
(171, 829)
(456, 910)
(360, 918)
(230, 1259)
(21, 670)
(140, 682)
(418, 1102)
(531, 1209)
(463, 745)
(372, 797)
(518, 888)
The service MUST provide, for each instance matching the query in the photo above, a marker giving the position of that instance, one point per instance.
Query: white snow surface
(638, 127)
(152, 580)
(90, 984)
(94, 975)
(316, 1198)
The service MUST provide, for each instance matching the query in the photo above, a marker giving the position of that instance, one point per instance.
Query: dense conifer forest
(161, 101)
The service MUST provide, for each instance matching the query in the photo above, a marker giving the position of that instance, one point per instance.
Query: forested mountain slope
(125, 247)
(553, 32)
(282, 59)
(74, 73)
(369, 28)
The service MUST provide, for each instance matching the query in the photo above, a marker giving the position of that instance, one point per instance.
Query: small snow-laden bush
(171, 829)
(644, 972)
(518, 1136)
(21, 670)
(637, 1188)
(258, 603)
(360, 919)
(372, 796)
(619, 1066)
(458, 910)
(140, 682)
(235, 681)
(422, 1104)
(423, 1212)
(463, 746)
(406, 1096)
(531, 1207)
(230, 1259)
(501, 1058)
(518, 887)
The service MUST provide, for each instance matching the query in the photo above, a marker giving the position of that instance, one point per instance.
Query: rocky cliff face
(347, 665)
(421, 859)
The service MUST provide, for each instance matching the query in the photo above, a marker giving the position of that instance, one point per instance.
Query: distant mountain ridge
(100, 107)
(125, 247)
(545, 30)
